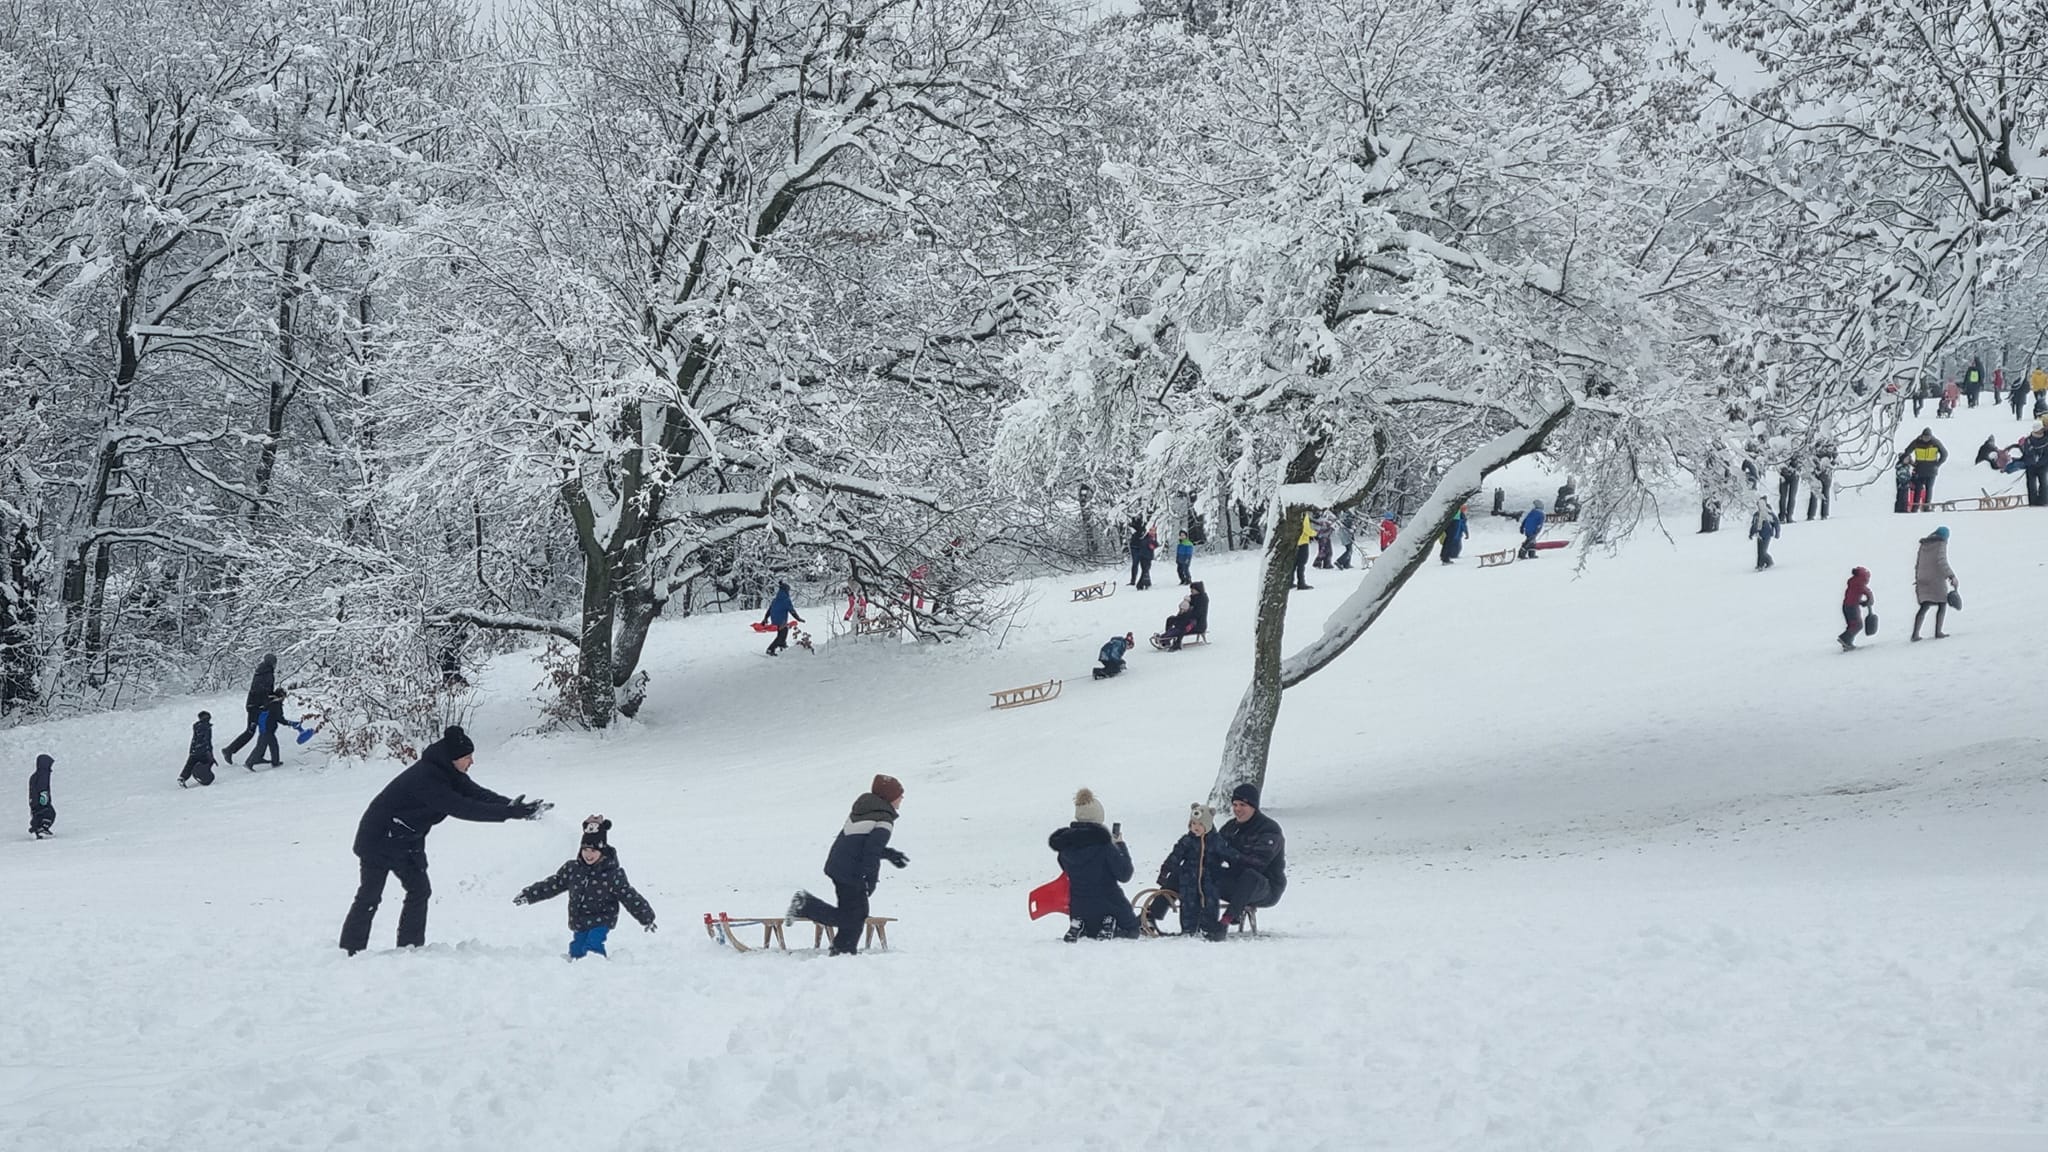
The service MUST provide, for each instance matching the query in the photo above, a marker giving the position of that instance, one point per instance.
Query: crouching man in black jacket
(392, 837)
(1254, 856)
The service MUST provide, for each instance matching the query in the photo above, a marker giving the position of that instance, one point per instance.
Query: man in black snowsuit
(854, 866)
(1141, 556)
(2034, 458)
(42, 815)
(261, 685)
(1254, 856)
(1973, 379)
(392, 836)
(199, 757)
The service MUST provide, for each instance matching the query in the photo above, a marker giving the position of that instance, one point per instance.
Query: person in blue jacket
(1454, 537)
(1532, 523)
(1183, 555)
(781, 613)
(1112, 655)
(1096, 862)
(1763, 528)
(1193, 870)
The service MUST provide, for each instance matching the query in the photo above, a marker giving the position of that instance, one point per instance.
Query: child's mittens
(649, 926)
(521, 899)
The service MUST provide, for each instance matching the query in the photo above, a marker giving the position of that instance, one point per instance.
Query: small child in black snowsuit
(199, 759)
(266, 731)
(42, 815)
(1191, 871)
(596, 886)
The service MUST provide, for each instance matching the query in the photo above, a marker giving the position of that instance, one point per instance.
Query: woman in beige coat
(1932, 580)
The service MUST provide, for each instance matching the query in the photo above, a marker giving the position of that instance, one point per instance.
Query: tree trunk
(594, 642)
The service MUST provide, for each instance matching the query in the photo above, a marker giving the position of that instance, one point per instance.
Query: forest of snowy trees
(382, 336)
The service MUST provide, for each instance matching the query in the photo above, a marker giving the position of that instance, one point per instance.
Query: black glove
(524, 809)
(521, 899)
(895, 857)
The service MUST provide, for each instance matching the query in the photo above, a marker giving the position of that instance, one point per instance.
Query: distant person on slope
(596, 886)
(1532, 523)
(854, 865)
(1112, 655)
(781, 613)
(1183, 555)
(1927, 456)
(1823, 479)
(267, 722)
(1301, 546)
(2016, 396)
(1254, 856)
(1973, 379)
(42, 814)
(392, 835)
(1142, 550)
(1193, 870)
(1763, 528)
(1454, 537)
(2034, 458)
(1326, 533)
(1855, 598)
(1933, 581)
(2038, 382)
(199, 757)
(1096, 862)
(1191, 620)
(261, 685)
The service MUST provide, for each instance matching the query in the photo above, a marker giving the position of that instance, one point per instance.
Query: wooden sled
(1497, 559)
(1141, 904)
(1989, 503)
(1029, 694)
(882, 625)
(1102, 591)
(723, 929)
(1159, 640)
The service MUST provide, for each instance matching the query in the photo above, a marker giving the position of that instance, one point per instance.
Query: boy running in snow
(1112, 655)
(199, 758)
(1855, 598)
(42, 815)
(596, 886)
(1763, 528)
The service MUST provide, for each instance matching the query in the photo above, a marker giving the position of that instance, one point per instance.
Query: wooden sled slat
(1029, 694)
(1102, 591)
(725, 930)
(1497, 559)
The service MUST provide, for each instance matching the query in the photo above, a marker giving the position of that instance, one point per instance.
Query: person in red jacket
(1855, 598)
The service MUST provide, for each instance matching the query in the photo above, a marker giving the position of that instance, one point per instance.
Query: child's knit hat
(1087, 809)
(594, 829)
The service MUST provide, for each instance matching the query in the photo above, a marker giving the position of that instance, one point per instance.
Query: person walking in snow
(1193, 871)
(2034, 459)
(199, 757)
(1326, 539)
(2016, 395)
(391, 838)
(1142, 550)
(1855, 599)
(854, 865)
(1390, 530)
(1301, 546)
(1933, 581)
(1788, 488)
(597, 886)
(1096, 863)
(1949, 395)
(1254, 857)
(1823, 479)
(42, 814)
(1454, 538)
(781, 613)
(1763, 528)
(267, 722)
(1973, 380)
(1532, 523)
(1926, 455)
(2037, 382)
(1183, 555)
(1346, 540)
(1112, 655)
(1191, 620)
(261, 685)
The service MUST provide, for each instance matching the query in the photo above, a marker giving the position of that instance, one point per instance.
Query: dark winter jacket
(1113, 652)
(272, 715)
(263, 684)
(863, 843)
(201, 751)
(1259, 845)
(1927, 455)
(595, 893)
(782, 610)
(1141, 546)
(1198, 612)
(1194, 869)
(39, 785)
(398, 820)
(1095, 865)
(1764, 526)
(2034, 449)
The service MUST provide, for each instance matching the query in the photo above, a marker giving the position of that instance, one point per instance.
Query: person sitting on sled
(1191, 620)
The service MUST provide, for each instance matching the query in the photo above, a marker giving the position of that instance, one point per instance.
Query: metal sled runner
(1029, 694)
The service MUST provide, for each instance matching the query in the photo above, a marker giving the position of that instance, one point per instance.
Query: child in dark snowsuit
(1112, 655)
(1192, 872)
(267, 723)
(199, 759)
(42, 814)
(1855, 598)
(596, 886)
(1095, 862)
(1763, 528)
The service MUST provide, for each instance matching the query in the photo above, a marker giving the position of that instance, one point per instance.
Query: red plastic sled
(761, 627)
(1049, 899)
(1545, 545)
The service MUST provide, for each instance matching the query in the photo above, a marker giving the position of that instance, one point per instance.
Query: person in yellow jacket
(2038, 381)
(1925, 455)
(1308, 535)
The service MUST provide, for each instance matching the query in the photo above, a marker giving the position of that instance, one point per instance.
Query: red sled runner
(1050, 899)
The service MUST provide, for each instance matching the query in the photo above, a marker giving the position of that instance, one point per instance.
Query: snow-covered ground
(1623, 858)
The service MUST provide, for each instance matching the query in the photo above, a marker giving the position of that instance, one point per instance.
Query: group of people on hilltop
(1216, 875)
(1950, 392)
(1935, 588)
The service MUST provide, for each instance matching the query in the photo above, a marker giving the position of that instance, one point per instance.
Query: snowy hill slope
(1628, 857)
